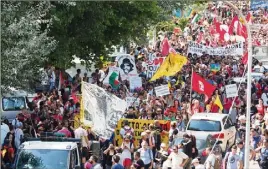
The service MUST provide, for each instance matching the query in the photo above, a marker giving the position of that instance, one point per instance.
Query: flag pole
(249, 49)
(191, 86)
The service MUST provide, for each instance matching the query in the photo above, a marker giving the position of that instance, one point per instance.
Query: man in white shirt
(196, 164)
(81, 133)
(210, 162)
(177, 158)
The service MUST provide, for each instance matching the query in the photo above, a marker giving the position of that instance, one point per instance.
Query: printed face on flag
(201, 86)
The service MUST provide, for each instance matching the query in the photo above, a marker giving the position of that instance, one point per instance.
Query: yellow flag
(172, 64)
(169, 85)
(218, 102)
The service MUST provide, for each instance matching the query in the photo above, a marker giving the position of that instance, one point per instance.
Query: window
(204, 125)
(228, 123)
(13, 103)
(42, 159)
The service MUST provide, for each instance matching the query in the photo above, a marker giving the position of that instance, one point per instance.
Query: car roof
(49, 145)
(209, 116)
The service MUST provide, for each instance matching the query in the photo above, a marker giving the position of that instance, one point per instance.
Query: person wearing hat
(197, 164)
(128, 148)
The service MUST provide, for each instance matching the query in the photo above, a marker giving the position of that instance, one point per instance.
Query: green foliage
(24, 46)
(89, 29)
(182, 23)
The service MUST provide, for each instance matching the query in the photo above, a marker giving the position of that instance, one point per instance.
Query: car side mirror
(77, 167)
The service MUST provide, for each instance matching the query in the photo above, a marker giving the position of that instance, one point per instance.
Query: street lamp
(247, 141)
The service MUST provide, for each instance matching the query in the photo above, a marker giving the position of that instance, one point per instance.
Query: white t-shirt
(81, 133)
(200, 166)
(126, 153)
(18, 135)
(177, 159)
(210, 160)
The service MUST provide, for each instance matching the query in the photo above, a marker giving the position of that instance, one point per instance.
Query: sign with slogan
(162, 90)
(255, 4)
(197, 49)
(132, 101)
(134, 82)
(231, 90)
(139, 126)
(127, 66)
(153, 64)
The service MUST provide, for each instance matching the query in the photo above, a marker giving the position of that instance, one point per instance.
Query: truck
(50, 151)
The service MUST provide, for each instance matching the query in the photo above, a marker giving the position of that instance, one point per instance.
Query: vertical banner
(153, 64)
(139, 126)
(135, 82)
(127, 67)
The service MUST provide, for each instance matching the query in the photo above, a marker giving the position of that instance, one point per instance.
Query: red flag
(248, 17)
(165, 47)
(201, 86)
(231, 27)
(245, 59)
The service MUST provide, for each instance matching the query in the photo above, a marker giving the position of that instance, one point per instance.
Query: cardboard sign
(138, 125)
(162, 90)
(132, 101)
(231, 90)
(135, 82)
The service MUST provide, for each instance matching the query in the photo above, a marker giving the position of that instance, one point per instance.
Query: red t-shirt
(57, 117)
(66, 132)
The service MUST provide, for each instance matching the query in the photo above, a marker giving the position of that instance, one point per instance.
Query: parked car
(218, 125)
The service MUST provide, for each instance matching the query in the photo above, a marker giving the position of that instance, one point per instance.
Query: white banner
(101, 109)
(197, 49)
(132, 101)
(135, 82)
(111, 70)
(154, 63)
(127, 67)
(162, 90)
(231, 90)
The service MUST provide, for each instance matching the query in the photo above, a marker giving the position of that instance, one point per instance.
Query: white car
(202, 124)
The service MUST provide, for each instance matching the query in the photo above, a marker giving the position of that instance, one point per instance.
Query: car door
(230, 131)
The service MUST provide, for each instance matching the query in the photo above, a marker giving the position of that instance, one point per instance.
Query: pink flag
(231, 27)
(165, 47)
(245, 59)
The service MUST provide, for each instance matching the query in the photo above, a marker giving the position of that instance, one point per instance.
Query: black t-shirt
(187, 148)
(130, 116)
(139, 164)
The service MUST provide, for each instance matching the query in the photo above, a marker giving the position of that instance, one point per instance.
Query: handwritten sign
(135, 82)
(154, 63)
(132, 101)
(231, 90)
(162, 90)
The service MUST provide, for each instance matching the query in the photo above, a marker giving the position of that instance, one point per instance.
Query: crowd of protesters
(54, 110)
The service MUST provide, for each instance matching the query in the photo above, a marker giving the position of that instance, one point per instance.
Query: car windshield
(204, 125)
(43, 159)
(13, 103)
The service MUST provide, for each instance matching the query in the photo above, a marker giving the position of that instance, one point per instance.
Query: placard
(231, 90)
(154, 63)
(132, 101)
(162, 90)
(139, 125)
(127, 67)
(135, 82)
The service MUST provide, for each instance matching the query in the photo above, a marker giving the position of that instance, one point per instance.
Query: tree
(24, 45)
(89, 29)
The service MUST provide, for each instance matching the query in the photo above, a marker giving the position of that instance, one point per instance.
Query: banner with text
(139, 126)
(154, 63)
(162, 90)
(198, 49)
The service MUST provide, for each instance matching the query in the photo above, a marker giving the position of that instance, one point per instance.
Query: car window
(13, 103)
(204, 125)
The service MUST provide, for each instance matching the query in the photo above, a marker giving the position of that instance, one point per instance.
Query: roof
(209, 116)
(49, 145)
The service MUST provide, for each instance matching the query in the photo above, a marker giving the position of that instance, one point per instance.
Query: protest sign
(101, 109)
(135, 82)
(132, 101)
(153, 64)
(197, 49)
(231, 90)
(162, 90)
(255, 4)
(139, 125)
(127, 66)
